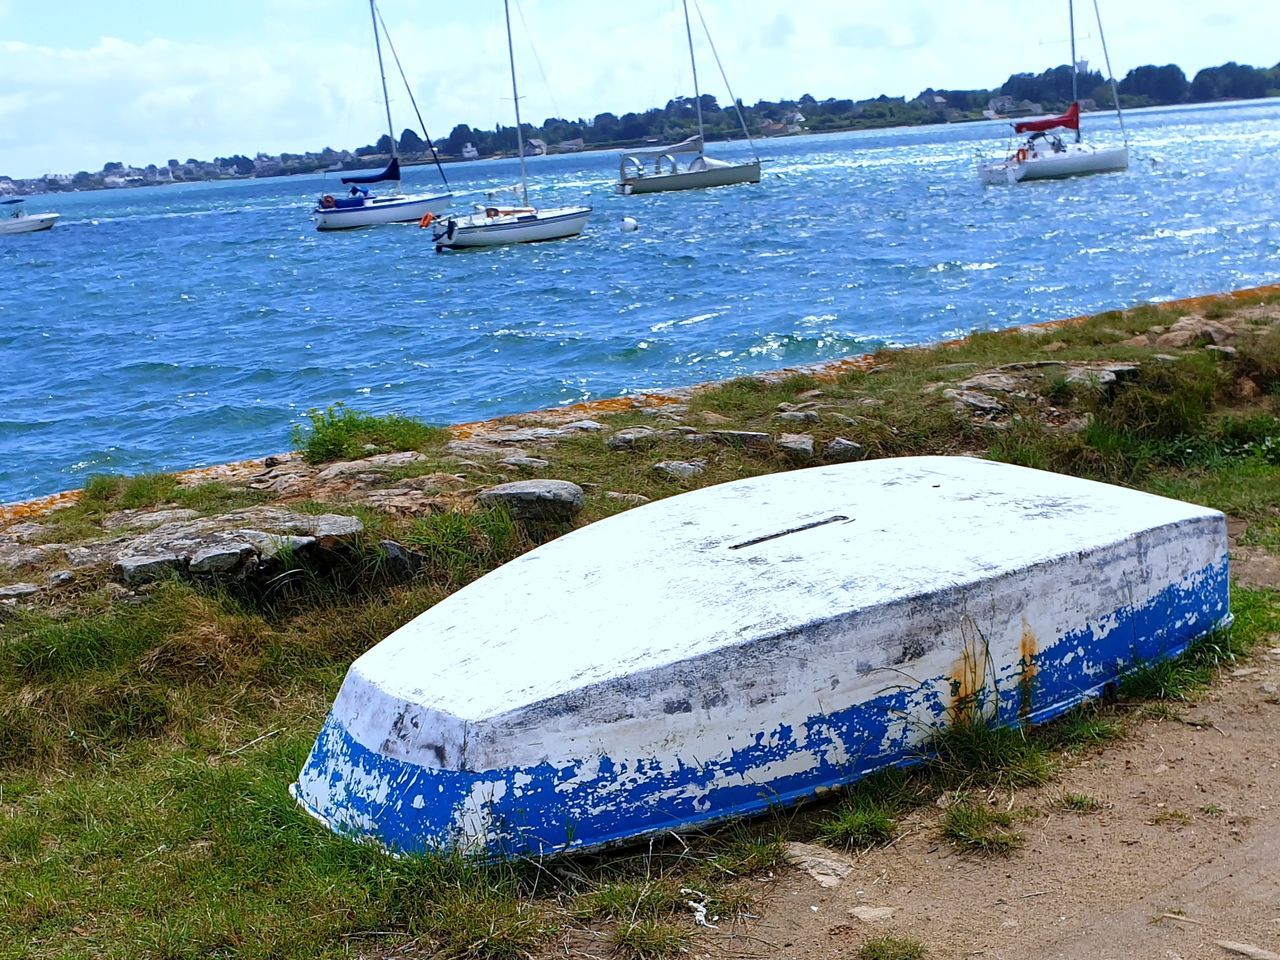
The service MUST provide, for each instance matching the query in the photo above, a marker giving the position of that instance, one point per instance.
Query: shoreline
(826, 370)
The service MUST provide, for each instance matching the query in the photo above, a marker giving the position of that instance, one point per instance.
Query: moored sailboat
(360, 208)
(1044, 155)
(491, 225)
(644, 171)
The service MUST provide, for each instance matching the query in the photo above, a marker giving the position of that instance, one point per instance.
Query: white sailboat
(1044, 155)
(360, 208)
(14, 219)
(657, 171)
(491, 226)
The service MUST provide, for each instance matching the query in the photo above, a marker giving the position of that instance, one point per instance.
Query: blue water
(163, 328)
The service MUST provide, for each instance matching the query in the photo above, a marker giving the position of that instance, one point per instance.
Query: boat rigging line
(723, 76)
(409, 90)
(1106, 57)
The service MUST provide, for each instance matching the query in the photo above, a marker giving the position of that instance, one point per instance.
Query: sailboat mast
(511, 55)
(386, 100)
(697, 94)
(1075, 72)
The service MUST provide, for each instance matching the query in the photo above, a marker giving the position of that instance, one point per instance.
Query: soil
(1184, 852)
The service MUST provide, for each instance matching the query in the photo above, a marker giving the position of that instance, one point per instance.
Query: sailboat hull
(379, 210)
(1078, 160)
(532, 226)
(695, 180)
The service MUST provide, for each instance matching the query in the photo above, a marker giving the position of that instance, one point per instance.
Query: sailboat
(1044, 155)
(491, 226)
(14, 219)
(635, 175)
(359, 207)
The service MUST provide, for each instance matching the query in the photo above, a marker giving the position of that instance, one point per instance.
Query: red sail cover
(1070, 120)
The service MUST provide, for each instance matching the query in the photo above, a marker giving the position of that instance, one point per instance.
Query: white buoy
(629, 225)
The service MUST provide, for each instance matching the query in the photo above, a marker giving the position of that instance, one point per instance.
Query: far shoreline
(826, 370)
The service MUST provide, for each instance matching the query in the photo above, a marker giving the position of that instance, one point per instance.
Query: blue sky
(84, 82)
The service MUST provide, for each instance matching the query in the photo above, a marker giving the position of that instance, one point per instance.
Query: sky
(84, 82)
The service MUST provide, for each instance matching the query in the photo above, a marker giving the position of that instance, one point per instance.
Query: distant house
(932, 101)
(772, 128)
(1000, 107)
(793, 121)
(469, 152)
(576, 145)
(7, 187)
(534, 147)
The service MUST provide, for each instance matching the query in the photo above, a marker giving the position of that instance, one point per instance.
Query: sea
(164, 328)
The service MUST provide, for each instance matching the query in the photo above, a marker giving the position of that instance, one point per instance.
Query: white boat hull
(29, 223)
(535, 226)
(1077, 160)
(694, 180)
(375, 211)
(724, 651)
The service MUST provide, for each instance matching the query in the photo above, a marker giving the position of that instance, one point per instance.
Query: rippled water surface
(170, 327)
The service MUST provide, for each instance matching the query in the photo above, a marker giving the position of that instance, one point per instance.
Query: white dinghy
(723, 651)
(15, 219)
(491, 226)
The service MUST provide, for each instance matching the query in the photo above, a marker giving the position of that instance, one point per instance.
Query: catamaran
(656, 171)
(360, 208)
(1044, 155)
(15, 219)
(493, 225)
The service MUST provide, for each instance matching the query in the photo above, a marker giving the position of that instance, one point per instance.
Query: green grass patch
(1079, 803)
(973, 751)
(979, 828)
(858, 824)
(340, 433)
(650, 939)
(891, 948)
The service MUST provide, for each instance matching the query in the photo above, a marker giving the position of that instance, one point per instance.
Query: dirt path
(1184, 852)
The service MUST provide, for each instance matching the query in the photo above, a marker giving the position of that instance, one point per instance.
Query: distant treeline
(1051, 90)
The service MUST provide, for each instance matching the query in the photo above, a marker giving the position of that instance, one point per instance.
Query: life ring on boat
(328, 202)
(1022, 154)
(426, 220)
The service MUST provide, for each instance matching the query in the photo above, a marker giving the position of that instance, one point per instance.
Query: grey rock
(999, 382)
(134, 569)
(98, 554)
(221, 557)
(145, 519)
(785, 407)
(476, 449)
(841, 450)
(22, 532)
(1221, 351)
(16, 591)
(635, 498)
(548, 501)
(681, 469)
(633, 438)
(797, 446)
(796, 416)
(435, 483)
(381, 462)
(401, 561)
(16, 556)
(743, 438)
(525, 463)
(974, 400)
(61, 577)
(582, 426)
(508, 435)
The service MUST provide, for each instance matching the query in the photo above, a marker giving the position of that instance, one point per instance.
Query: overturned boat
(751, 644)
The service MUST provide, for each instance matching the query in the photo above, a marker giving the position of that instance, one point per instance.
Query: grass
(976, 827)
(340, 433)
(145, 748)
(892, 948)
(1079, 803)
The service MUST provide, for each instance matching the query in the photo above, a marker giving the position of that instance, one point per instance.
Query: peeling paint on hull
(750, 644)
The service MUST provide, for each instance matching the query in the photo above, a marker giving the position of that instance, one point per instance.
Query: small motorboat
(752, 644)
(15, 219)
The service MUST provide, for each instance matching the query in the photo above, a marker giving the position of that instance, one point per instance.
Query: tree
(410, 142)
(1167, 84)
(459, 138)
